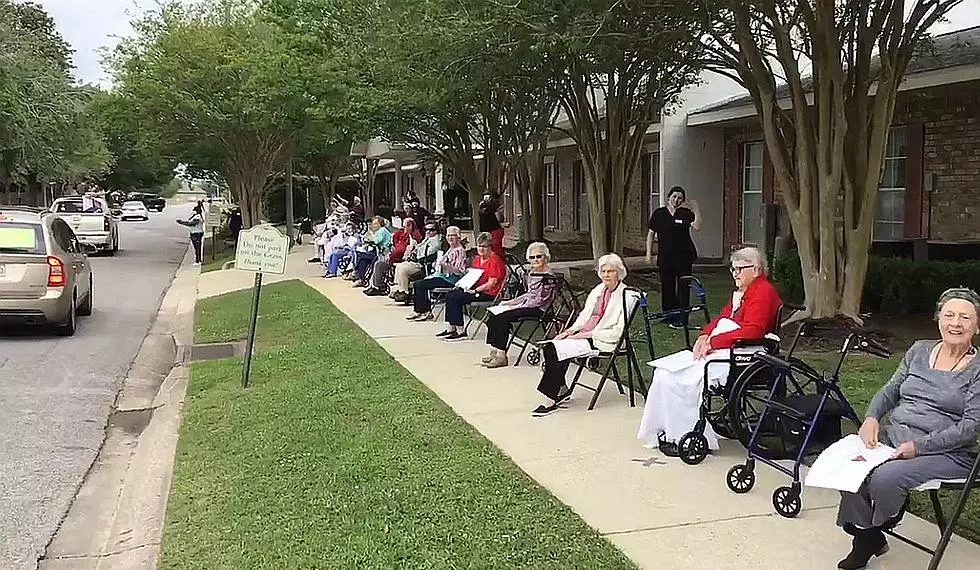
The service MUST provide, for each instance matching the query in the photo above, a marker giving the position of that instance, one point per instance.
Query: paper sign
(213, 219)
(469, 279)
(845, 465)
(262, 249)
(18, 238)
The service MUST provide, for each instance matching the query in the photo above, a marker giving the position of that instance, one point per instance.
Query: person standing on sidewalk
(195, 227)
(491, 216)
(676, 253)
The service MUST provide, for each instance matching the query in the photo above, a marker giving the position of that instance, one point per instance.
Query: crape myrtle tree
(823, 77)
(619, 65)
(222, 90)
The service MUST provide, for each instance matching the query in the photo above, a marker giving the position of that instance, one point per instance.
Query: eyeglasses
(533, 257)
(736, 269)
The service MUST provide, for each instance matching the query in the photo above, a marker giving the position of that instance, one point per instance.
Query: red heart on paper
(859, 458)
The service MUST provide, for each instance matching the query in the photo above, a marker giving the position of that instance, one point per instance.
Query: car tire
(68, 327)
(85, 309)
(115, 245)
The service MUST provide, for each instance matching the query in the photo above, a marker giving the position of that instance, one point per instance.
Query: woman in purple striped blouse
(541, 287)
(447, 271)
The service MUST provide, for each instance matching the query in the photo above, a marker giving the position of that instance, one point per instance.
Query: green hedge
(894, 286)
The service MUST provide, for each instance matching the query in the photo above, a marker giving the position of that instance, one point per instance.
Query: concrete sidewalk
(660, 512)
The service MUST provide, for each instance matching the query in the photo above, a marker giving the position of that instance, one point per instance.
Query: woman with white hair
(598, 327)
(541, 285)
(674, 401)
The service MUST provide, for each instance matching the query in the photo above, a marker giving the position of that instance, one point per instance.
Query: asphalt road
(56, 393)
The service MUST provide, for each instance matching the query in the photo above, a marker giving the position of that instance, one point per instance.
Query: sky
(89, 25)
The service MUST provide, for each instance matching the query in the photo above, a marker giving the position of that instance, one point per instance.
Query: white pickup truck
(91, 220)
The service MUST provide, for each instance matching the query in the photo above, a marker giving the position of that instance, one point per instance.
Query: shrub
(894, 285)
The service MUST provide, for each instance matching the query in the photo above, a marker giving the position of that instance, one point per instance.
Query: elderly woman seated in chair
(404, 241)
(598, 327)
(380, 240)
(674, 401)
(447, 271)
(420, 257)
(487, 287)
(933, 406)
(540, 286)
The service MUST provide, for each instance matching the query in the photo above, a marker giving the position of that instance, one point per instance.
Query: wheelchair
(800, 416)
(717, 410)
(561, 313)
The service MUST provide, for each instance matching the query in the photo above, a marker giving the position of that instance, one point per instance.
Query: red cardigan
(756, 315)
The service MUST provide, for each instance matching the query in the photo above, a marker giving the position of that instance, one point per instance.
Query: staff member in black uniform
(672, 224)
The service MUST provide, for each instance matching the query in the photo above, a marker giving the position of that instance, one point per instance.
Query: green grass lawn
(336, 457)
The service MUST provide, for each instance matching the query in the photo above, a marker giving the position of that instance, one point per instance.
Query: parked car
(45, 276)
(134, 210)
(151, 201)
(91, 220)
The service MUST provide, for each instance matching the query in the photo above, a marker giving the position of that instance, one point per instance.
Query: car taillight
(105, 224)
(56, 272)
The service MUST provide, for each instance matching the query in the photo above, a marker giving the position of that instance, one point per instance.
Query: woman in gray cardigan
(933, 404)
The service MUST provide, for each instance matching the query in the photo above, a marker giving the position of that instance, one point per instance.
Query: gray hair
(614, 261)
(541, 248)
(960, 293)
(453, 230)
(751, 255)
(484, 239)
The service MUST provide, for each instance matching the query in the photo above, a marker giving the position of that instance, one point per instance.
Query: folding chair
(946, 526)
(474, 305)
(632, 298)
(549, 322)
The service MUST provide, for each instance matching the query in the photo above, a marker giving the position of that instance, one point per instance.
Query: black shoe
(455, 335)
(543, 410)
(867, 544)
(372, 292)
(444, 334)
(668, 449)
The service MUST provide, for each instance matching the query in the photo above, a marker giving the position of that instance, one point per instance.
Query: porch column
(397, 206)
(437, 183)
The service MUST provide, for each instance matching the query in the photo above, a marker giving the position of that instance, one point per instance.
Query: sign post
(213, 221)
(261, 249)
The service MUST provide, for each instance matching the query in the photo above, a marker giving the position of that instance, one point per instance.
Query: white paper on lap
(497, 309)
(571, 347)
(675, 362)
(469, 279)
(846, 464)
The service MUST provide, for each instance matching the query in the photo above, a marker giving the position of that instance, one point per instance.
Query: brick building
(930, 190)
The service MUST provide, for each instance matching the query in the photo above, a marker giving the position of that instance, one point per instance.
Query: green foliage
(894, 286)
(46, 133)
(137, 161)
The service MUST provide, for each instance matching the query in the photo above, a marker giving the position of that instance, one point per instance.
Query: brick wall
(950, 117)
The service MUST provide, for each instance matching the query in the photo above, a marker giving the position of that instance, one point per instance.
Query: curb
(116, 520)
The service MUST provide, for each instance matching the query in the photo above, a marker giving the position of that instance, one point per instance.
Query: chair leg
(937, 509)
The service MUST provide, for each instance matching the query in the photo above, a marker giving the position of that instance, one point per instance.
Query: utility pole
(289, 200)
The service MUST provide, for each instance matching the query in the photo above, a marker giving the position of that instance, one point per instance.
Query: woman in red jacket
(674, 401)
(403, 241)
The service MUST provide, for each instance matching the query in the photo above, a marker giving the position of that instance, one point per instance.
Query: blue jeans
(333, 265)
(420, 292)
(365, 259)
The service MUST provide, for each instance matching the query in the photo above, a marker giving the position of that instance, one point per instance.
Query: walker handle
(872, 347)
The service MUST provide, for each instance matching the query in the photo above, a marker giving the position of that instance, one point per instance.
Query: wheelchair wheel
(533, 357)
(740, 479)
(787, 501)
(693, 448)
(746, 401)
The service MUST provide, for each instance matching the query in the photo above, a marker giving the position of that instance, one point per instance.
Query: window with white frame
(652, 183)
(890, 213)
(581, 197)
(753, 154)
(551, 196)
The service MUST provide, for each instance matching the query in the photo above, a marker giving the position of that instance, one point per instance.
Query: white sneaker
(197, 263)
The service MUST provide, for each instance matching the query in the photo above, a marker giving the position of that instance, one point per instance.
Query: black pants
(674, 294)
(456, 302)
(197, 241)
(421, 289)
(499, 326)
(553, 379)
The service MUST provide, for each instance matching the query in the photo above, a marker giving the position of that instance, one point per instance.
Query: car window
(18, 237)
(63, 235)
(68, 207)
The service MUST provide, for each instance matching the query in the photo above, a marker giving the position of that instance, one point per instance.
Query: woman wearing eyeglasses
(673, 403)
(541, 285)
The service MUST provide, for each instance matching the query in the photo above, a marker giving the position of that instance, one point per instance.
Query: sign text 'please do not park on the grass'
(262, 249)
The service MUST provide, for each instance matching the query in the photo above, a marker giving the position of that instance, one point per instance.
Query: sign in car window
(18, 238)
